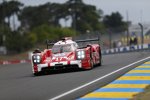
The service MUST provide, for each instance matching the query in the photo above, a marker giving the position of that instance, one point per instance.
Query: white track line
(96, 80)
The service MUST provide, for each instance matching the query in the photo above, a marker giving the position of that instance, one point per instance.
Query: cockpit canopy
(64, 48)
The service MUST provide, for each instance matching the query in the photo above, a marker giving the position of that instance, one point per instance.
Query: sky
(136, 10)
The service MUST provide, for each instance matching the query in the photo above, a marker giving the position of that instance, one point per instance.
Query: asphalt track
(18, 83)
(125, 87)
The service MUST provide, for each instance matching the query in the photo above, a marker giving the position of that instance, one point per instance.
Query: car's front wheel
(100, 59)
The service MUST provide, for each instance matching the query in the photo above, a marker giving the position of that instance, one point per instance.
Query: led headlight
(80, 54)
(36, 59)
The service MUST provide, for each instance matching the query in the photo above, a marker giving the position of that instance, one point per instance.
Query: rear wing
(88, 40)
(49, 43)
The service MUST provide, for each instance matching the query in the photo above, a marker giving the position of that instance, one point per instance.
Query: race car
(66, 54)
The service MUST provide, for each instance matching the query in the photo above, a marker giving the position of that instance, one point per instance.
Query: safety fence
(127, 49)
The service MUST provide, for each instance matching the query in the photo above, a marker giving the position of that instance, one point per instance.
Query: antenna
(127, 27)
(141, 16)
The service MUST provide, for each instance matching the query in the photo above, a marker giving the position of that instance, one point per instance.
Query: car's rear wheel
(36, 74)
(100, 60)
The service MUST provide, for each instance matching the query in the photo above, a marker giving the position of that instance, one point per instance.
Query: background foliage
(42, 22)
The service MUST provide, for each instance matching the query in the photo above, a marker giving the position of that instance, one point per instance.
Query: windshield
(62, 48)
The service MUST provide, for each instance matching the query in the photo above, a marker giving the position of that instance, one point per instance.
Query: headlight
(36, 59)
(80, 54)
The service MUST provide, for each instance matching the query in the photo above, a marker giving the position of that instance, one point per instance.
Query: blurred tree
(39, 23)
(43, 32)
(65, 32)
(9, 8)
(84, 17)
(114, 22)
(3, 35)
(16, 42)
(44, 14)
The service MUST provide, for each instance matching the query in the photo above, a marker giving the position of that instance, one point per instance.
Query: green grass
(143, 95)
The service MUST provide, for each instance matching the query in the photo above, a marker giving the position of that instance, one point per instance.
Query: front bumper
(58, 65)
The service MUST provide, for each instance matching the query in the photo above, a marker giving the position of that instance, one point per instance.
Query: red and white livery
(66, 54)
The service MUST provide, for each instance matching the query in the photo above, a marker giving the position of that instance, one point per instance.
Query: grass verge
(143, 95)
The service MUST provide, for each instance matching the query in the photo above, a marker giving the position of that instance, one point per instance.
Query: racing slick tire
(100, 60)
(36, 74)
